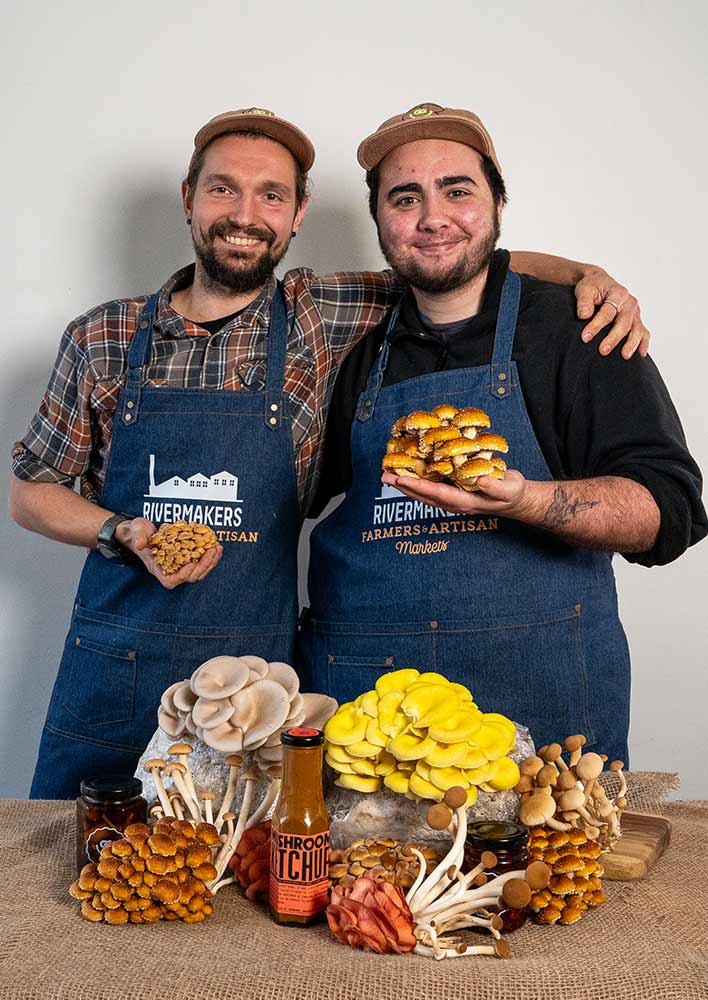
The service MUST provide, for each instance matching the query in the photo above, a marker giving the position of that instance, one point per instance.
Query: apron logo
(395, 516)
(199, 499)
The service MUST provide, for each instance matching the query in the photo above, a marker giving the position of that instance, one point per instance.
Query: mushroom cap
(455, 797)
(257, 666)
(473, 469)
(272, 707)
(233, 760)
(171, 725)
(284, 674)
(184, 697)
(536, 809)
(167, 701)
(319, 709)
(154, 763)
(208, 713)
(571, 799)
(454, 447)
(575, 742)
(490, 442)
(297, 706)
(445, 411)
(589, 766)
(180, 748)
(438, 435)
(439, 816)
(220, 677)
(406, 463)
(421, 421)
(471, 417)
(223, 737)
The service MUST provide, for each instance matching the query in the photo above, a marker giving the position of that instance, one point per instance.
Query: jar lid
(111, 787)
(488, 835)
(302, 736)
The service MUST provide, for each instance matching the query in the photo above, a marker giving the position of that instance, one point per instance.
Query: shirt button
(501, 390)
(433, 625)
(144, 325)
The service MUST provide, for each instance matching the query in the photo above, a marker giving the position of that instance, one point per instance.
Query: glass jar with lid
(507, 841)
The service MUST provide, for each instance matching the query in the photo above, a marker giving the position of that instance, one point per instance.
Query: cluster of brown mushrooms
(576, 882)
(565, 796)
(149, 875)
(383, 858)
(448, 900)
(241, 703)
(175, 545)
(446, 444)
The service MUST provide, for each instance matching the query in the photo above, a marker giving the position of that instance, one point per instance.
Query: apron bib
(207, 455)
(526, 621)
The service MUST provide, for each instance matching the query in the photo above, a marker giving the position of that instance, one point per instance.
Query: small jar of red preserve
(507, 841)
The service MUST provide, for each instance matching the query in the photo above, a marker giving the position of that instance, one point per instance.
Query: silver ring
(609, 302)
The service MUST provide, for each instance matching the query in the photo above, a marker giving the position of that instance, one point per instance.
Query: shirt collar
(170, 323)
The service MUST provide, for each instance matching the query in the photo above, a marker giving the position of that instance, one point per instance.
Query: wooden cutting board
(644, 839)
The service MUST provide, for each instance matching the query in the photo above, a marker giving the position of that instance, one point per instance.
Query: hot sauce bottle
(299, 858)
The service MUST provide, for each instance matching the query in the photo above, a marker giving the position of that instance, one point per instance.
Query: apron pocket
(99, 681)
(350, 676)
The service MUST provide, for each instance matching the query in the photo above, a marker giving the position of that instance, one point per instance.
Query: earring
(189, 220)
(293, 234)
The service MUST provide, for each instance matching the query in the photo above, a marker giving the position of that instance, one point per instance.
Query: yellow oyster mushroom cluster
(420, 734)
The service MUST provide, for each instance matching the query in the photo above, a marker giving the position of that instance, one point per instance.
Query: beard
(225, 275)
(452, 277)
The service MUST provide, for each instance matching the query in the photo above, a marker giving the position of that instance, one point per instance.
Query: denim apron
(221, 458)
(527, 622)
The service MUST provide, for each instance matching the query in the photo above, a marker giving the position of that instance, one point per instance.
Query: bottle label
(98, 839)
(299, 873)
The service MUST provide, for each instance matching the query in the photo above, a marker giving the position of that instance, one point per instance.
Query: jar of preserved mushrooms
(507, 841)
(103, 810)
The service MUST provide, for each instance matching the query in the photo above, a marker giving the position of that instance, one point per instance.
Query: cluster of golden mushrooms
(566, 796)
(150, 875)
(175, 545)
(576, 882)
(446, 444)
(381, 857)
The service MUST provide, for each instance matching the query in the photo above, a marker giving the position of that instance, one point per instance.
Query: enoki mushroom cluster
(419, 734)
(239, 703)
(566, 796)
(446, 444)
(175, 545)
(151, 875)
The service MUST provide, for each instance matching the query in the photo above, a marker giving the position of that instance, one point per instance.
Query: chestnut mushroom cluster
(448, 900)
(446, 444)
(241, 703)
(565, 796)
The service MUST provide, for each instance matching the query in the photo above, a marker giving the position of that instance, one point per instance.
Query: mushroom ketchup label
(299, 872)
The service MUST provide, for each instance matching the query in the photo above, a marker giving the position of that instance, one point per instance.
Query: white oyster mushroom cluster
(242, 703)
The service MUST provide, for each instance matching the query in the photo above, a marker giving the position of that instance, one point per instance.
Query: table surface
(650, 939)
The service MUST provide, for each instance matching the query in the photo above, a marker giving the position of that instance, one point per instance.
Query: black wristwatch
(106, 542)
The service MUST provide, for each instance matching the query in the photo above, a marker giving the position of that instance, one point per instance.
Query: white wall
(598, 114)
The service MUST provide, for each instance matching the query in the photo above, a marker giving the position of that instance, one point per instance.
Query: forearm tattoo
(563, 508)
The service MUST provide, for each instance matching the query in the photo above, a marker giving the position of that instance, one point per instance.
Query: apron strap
(367, 400)
(138, 357)
(275, 364)
(501, 384)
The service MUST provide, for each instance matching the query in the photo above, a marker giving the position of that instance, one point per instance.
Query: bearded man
(204, 403)
(509, 589)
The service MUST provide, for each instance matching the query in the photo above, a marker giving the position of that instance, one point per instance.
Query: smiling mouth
(432, 247)
(242, 241)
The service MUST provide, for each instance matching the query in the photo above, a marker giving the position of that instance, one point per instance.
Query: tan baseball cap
(426, 121)
(261, 120)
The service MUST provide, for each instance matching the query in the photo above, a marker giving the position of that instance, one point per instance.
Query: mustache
(224, 229)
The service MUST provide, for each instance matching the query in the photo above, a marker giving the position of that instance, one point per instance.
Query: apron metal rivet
(502, 376)
(128, 417)
(501, 391)
(578, 608)
(273, 420)
(131, 404)
(144, 325)
(330, 659)
(78, 641)
(131, 654)
(274, 407)
(367, 404)
(389, 661)
(433, 625)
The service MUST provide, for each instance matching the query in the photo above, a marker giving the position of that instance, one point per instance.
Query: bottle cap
(111, 787)
(492, 835)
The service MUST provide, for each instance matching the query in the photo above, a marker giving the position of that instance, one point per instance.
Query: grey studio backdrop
(598, 115)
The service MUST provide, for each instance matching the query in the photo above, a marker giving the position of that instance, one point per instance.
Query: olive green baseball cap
(260, 120)
(426, 121)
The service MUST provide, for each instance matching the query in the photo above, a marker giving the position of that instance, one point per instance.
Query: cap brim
(373, 149)
(285, 133)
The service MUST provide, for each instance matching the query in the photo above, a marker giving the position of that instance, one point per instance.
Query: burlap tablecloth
(650, 940)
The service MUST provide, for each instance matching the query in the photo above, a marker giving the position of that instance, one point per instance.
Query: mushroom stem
(266, 802)
(176, 804)
(154, 767)
(453, 857)
(226, 852)
(422, 866)
(190, 803)
(234, 763)
(215, 886)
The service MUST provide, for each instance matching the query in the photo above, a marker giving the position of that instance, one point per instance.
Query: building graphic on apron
(221, 486)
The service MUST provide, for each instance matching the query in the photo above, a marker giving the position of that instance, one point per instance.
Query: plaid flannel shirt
(70, 434)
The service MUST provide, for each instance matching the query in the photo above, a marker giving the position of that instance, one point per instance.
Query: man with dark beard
(510, 589)
(202, 403)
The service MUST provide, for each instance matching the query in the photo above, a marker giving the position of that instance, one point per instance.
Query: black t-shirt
(214, 325)
(593, 416)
